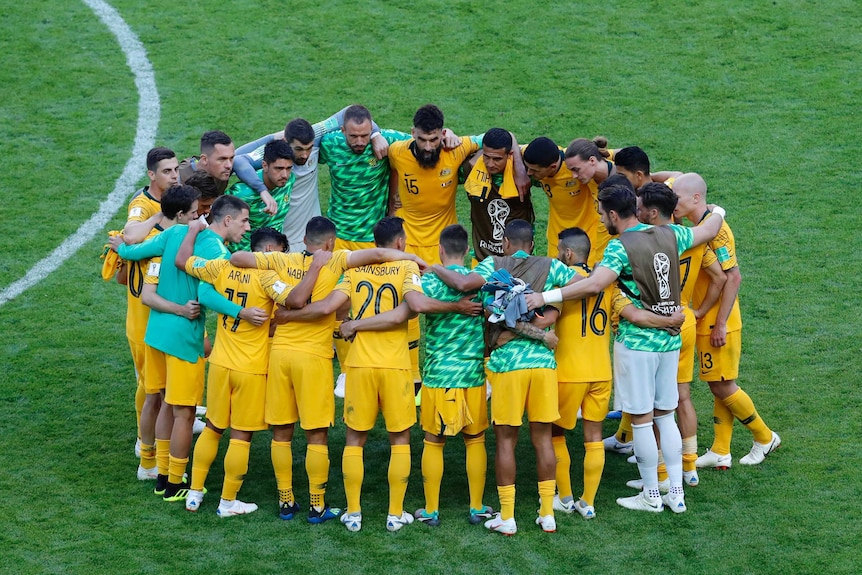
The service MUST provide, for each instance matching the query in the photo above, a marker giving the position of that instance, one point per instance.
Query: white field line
(148, 122)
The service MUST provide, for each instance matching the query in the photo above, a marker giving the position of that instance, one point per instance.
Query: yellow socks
(282, 463)
(148, 456)
(206, 449)
(564, 467)
(689, 453)
(163, 453)
(624, 431)
(507, 501)
(594, 464)
(235, 468)
(399, 474)
(722, 424)
(742, 408)
(176, 469)
(477, 467)
(317, 468)
(546, 497)
(432, 474)
(353, 469)
(662, 468)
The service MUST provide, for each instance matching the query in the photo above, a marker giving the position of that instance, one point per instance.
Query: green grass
(760, 98)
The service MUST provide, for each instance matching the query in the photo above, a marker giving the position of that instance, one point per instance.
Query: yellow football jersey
(239, 345)
(571, 205)
(428, 194)
(723, 250)
(143, 206)
(315, 336)
(137, 313)
(372, 290)
(583, 353)
(600, 235)
(690, 264)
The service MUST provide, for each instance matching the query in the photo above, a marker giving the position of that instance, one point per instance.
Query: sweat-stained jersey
(454, 343)
(240, 345)
(583, 353)
(428, 194)
(314, 337)
(360, 185)
(372, 290)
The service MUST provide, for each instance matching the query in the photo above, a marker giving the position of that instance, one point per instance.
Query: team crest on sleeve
(154, 268)
(136, 212)
(417, 281)
(279, 287)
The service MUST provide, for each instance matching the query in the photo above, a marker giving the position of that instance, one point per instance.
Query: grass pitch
(760, 98)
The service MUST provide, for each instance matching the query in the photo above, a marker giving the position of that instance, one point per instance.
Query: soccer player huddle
(292, 287)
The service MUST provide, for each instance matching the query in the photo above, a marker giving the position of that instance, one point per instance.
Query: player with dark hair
(277, 176)
(645, 259)
(208, 188)
(493, 179)
(216, 159)
(571, 203)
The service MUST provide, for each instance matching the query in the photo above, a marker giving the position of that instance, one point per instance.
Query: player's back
(374, 289)
(137, 313)
(240, 345)
(582, 353)
(314, 336)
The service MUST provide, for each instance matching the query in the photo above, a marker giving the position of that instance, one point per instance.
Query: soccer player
(655, 207)
(143, 215)
(584, 375)
(378, 369)
(427, 176)
(360, 182)
(589, 162)
(492, 180)
(179, 340)
(216, 159)
(645, 259)
(236, 390)
(178, 206)
(453, 392)
(208, 188)
(719, 340)
(277, 176)
(522, 373)
(300, 368)
(304, 140)
(571, 203)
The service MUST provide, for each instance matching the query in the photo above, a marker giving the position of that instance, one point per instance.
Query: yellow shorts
(299, 388)
(369, 390)
(184, 381)
(440, 405)
(591, 398)
(139, 358)
(236, 399)
(719, 363)
(155, 371)
(431, 254)
(533, 389)
(685, 371)
(352, 246)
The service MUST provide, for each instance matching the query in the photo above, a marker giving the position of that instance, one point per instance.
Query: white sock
(671, 447)
(647, 455)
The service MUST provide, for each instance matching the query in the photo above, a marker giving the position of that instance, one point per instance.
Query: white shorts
(646, 380)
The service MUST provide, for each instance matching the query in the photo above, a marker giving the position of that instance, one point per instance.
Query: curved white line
(148, 122)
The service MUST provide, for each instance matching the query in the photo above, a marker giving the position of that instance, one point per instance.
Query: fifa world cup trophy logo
(661, 263)
(498, 210)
